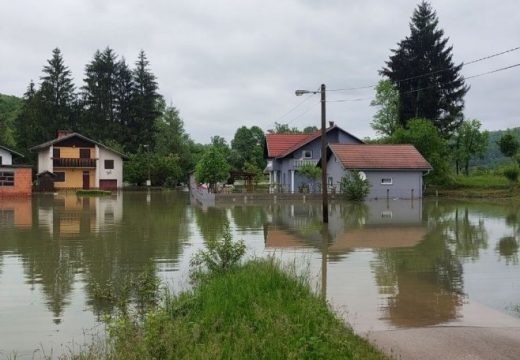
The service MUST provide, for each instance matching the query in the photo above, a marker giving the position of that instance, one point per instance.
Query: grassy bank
(254, 311)
(477, 186)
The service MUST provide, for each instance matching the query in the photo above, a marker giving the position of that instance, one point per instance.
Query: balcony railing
(301, 162)
(74, 163)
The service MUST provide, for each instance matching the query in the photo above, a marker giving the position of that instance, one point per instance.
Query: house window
(109, 164)
(1, 160)
(60, 176)
(307, 154)
(386, 181)
(329, 180)
(84, 153)
(6, 178)
(56, 153)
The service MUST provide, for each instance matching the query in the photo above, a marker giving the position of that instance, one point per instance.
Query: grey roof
(71, 135)
(11, 151)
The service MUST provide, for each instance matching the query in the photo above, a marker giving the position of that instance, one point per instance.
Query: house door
(86, 180)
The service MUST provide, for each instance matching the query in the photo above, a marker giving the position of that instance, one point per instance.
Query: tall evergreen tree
(99, 95)
(422, 69)
(29, 124)
(56, 94)
(146, 104)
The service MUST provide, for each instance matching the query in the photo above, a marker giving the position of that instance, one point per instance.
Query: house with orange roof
(286, 153)
(393, 171)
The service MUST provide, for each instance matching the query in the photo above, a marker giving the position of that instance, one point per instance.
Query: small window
(386, 181)
(56, 153)
(387, 214)
(60, 176)
(330, 180)
(6, 178)
(84, 153)
(109, 164)
(1, 160)
(307, 154)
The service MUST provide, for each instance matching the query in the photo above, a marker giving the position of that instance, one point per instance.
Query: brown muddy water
(382, 264)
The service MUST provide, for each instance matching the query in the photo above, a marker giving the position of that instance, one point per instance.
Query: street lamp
(324, 196)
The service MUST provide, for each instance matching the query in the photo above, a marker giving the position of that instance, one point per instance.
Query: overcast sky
(225, 64)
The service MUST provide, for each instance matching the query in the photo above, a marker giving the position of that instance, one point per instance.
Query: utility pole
(324, 194)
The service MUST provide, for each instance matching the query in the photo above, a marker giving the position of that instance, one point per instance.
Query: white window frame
(383, 182)
(304, 152)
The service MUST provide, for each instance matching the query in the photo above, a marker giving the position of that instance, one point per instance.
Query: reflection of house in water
(16, 212)
(375, 224)
(67, 215)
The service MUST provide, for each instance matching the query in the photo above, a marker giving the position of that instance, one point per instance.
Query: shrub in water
(512, 173)
(354, 187)
(219, 255)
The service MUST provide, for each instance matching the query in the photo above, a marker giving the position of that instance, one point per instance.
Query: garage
(108, 184)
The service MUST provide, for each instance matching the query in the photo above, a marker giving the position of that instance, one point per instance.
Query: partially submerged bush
(354, 187)
(511, 173)
(219, 255)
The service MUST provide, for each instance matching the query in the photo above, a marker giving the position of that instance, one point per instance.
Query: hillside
(493, 156)
(9, 108)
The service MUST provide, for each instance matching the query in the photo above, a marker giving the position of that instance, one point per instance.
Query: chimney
(331, 123)
(62, 133)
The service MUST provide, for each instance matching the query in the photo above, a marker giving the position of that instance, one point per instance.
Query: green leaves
(212, 168)
(354, 187)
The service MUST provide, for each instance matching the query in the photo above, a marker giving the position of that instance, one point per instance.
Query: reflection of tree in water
(507, 247)
(468, 238)
(354, 214)
(148, 234)
(248, 217)
(212, 222)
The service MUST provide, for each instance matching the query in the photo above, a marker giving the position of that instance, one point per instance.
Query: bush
(354, 187)
(219, 255)
(511, 173)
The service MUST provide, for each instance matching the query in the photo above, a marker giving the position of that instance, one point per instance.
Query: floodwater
(382, 264)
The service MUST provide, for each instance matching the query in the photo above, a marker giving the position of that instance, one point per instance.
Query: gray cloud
(230, 63)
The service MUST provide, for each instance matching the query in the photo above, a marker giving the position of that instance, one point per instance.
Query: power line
(432, 72)
(433, 86)
(303, 113)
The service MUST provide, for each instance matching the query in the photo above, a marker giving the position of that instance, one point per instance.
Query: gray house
(285, 153)
(394, 171)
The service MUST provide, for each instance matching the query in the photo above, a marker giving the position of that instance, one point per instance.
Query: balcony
(73, 163)
(300, 162)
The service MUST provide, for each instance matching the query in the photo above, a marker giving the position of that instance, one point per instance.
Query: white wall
(7, 158)
(45, 160)
(114, 174)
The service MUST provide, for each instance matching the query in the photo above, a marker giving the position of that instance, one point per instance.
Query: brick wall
(22, 183)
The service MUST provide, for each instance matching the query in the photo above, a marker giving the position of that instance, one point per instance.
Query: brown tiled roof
(278, 144)
(281, 145)
(375, 156)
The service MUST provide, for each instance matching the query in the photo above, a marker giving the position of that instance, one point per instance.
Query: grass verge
(253, 311)
(477, 186)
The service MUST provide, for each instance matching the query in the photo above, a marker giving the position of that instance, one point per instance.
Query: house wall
(403, 182)
(7, 158)
(45, 160)
(22, 182)
(106, 174)
(74, 178)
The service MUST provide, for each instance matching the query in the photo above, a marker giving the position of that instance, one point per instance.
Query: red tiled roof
(278, 144)
(385, 157)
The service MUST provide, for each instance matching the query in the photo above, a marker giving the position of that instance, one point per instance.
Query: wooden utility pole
(324, 194)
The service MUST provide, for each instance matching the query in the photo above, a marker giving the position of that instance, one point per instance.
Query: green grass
(488, 181)
(254, 311)
(93, 193)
